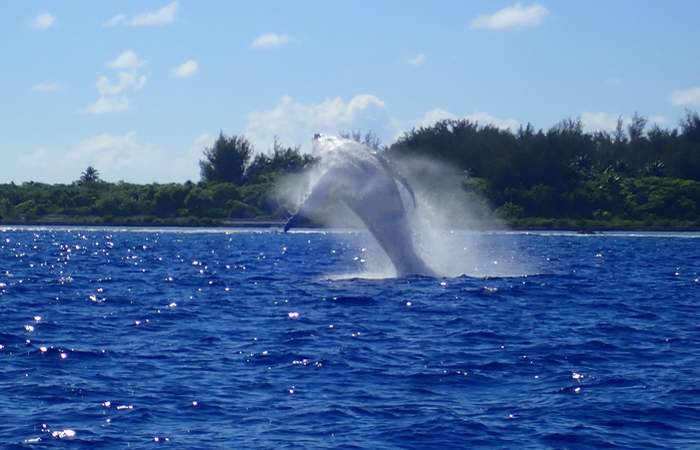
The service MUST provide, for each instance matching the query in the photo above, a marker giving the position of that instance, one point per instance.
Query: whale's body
(350, 172)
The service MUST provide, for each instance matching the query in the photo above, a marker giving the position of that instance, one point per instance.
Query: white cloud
(295, 123)
(109, 104)
(113, 21)
(686, 97)
(417, 60)
(163, 16)
(126, 81)
(38, 159)
(515, 16)
(483, 118)
(126, 156)
(43, 21)
(601, 121)
(115, 96)
(269, 40)
(46, 87)
(186, 69)
(186, 165)
(435, 115)
(127, 60)
(113, 154)
(201, 142)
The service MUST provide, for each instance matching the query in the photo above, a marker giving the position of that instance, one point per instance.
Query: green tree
(169, 198)
(89, 176)
(199, 202)
(226, 160)
(636, 127)
(690, 126)
(282, 160)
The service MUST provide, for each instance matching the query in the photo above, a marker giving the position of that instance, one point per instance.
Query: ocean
(136, 338)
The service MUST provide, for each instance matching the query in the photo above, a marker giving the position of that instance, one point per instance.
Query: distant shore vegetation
(636, 177)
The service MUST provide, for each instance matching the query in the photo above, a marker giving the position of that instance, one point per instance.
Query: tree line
(235, 183)
(635, 176)
(565, 176)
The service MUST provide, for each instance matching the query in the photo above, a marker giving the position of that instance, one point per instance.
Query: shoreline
(266, 224)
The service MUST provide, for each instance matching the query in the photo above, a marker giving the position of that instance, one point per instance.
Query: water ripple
(114, 339)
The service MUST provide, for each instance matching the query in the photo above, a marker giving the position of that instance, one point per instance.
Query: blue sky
(139, 88)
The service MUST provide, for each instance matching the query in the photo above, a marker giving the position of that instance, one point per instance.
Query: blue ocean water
(112, 339)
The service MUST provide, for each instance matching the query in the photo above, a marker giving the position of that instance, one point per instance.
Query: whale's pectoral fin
(391, 170)
(317, 199)
(292, 221)
(407, 186)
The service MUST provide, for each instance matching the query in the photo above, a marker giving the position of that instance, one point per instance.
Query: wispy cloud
(270, 40)
(433, 116)
(38, 159)
(117, 156)
(46, 87)
(43, 21)
(125, 81)
(417, 60)
(482, 118)
(112, 154)
(613, 81)
(108, 105)
(163, 16)
(686, 97)
(515, 16)
(113, 21)
(185, 70)
(127, 60)
(295, 122)
(185, 165)
(115, 95)
(602, 121)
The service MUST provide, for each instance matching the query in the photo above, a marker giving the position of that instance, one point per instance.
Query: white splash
(440, 213)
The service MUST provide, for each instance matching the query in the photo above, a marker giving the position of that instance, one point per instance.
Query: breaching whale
(350, 172)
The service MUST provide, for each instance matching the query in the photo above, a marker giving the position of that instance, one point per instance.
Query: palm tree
(90, 176)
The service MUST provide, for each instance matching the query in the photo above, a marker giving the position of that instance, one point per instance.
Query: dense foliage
(226, 160)
(561, 177)
(234, 185)
(565, 176)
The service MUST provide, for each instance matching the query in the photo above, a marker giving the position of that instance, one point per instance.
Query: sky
(138, 89)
